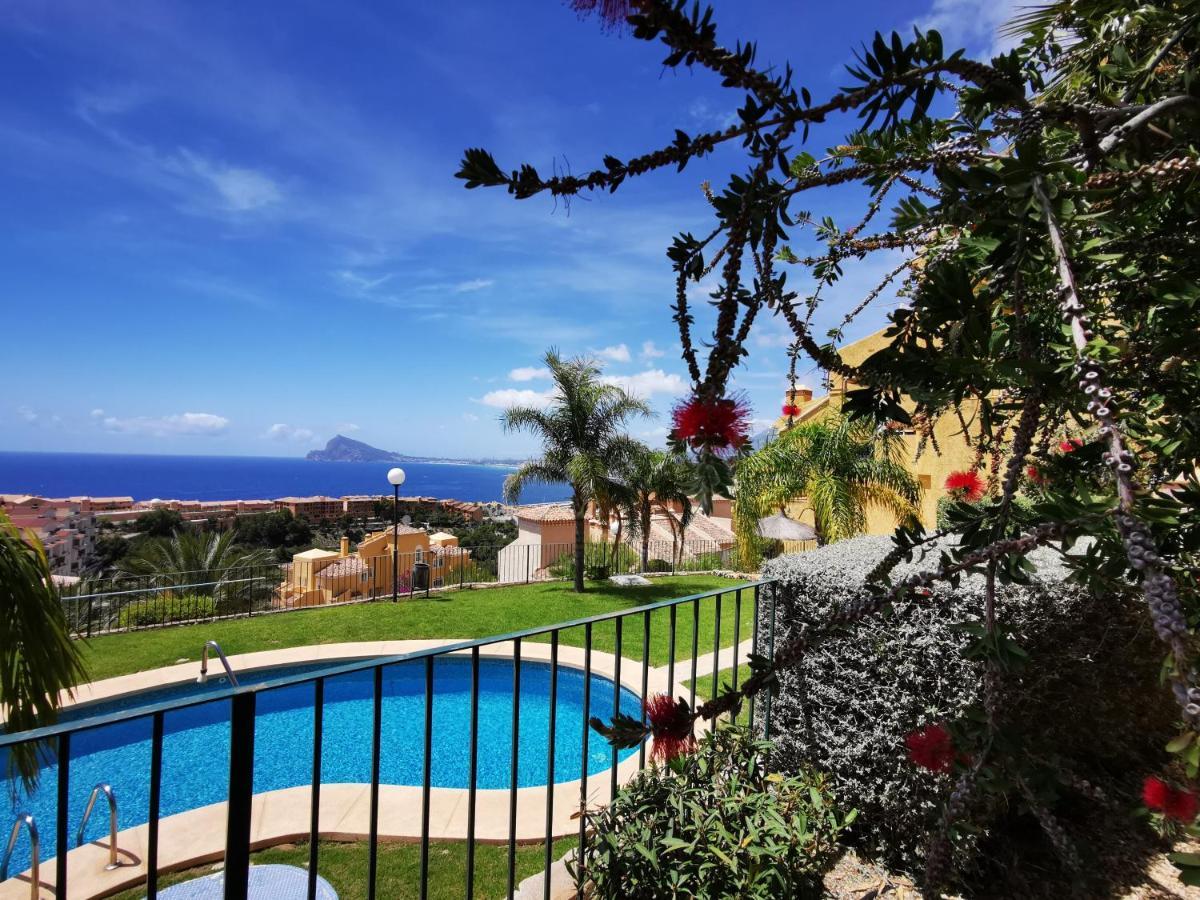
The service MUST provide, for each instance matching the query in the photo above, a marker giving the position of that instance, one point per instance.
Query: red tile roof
(546, 512)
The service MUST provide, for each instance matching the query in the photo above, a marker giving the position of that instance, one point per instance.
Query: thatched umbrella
(780, 528)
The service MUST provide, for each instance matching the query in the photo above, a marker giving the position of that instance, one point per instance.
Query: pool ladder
(105, 789)
(34, 847)
(213, 645)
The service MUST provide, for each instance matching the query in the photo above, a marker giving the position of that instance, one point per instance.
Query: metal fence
(671, 634)
(126, 602)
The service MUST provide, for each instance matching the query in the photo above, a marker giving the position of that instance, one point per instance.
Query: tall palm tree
(840, 468)
(212, 561)
(659, 481)
(38, 659)
(582, 439)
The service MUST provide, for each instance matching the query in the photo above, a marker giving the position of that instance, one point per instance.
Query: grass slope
(344, 866)
(460, 614)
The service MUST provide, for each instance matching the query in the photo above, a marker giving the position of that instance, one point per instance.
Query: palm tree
(841, 468)
(38, 659)
(210, 564)
(659, 480)
(582, 441)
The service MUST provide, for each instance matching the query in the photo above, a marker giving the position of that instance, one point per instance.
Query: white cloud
(240, 188)
(191, 423)
(282, 432)
(649, 383)
(618, 353)
(506, 397)
(974, 24)
(27, 414)
(470, 417)
(361, 282)
(474, 284)
(528, 373)
(650, 351)
(348, 428)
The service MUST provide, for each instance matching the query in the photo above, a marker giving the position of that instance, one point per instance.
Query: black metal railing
(129, 602)
(747, 609)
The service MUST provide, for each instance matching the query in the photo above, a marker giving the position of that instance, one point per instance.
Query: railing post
(241, 797)
(771, 652)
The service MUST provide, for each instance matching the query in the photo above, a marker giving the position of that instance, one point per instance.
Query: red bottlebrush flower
(721, 424)
(791, 410)
(1182, 807)
(1035, 475)
(968, 484)
(612, 12)
(931, 748)
(1174, 803)
(671, 725)
(1070, 445)
(1154, 792)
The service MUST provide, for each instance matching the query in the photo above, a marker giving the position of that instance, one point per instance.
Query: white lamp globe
(396, 476)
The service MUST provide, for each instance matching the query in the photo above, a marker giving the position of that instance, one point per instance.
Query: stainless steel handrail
(34, 849)
(105, 789)
(213, 645)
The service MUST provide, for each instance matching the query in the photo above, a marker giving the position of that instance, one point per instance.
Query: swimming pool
(196, 739)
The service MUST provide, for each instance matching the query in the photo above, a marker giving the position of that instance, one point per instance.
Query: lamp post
(396, 478)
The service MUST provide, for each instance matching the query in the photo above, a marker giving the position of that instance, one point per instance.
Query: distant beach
(147, 477)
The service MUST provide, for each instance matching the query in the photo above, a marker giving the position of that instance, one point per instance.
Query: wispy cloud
(650, 383)
(284, 432)
(239, 188)
(474, 284)
(528, 373)
(650, 351)
(619, 353)
(506, 397)
(188, 423)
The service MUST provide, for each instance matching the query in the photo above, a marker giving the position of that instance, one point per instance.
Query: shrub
(714, 824)
(1089, 698)
(658, 565)
(164, 609)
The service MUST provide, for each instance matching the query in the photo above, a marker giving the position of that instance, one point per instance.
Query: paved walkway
(723, 659)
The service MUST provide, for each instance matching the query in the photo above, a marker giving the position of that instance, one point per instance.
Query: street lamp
(396, 478)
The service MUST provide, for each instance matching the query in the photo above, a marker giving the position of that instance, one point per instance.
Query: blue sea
(244, 478)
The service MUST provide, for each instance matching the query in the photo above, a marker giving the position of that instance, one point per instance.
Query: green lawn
(461, 614)
(344, 866)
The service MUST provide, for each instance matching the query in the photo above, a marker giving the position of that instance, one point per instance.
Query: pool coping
(197, 836)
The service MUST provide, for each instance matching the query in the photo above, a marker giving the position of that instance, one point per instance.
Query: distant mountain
(343, 449)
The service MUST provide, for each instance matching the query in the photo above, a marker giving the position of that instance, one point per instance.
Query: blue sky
(234, 228)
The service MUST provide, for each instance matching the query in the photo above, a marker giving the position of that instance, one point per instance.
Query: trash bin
(420, 577)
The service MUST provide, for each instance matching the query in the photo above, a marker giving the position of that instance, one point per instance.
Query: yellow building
(317, 577)
(930, 468)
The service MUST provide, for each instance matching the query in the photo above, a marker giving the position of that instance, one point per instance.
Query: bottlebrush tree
(1045, 205)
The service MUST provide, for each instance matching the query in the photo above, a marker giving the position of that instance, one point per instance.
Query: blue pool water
(196, 739)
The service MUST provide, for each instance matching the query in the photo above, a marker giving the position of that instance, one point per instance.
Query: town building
(67, 533)
(312, 509)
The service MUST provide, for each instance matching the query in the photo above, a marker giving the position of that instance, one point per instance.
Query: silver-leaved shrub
(1088, 700)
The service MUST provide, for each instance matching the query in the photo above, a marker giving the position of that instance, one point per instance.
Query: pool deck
(197, 837)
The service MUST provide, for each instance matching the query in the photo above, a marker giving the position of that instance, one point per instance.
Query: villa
(317, 577)
(930, 468)
(546, 533)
